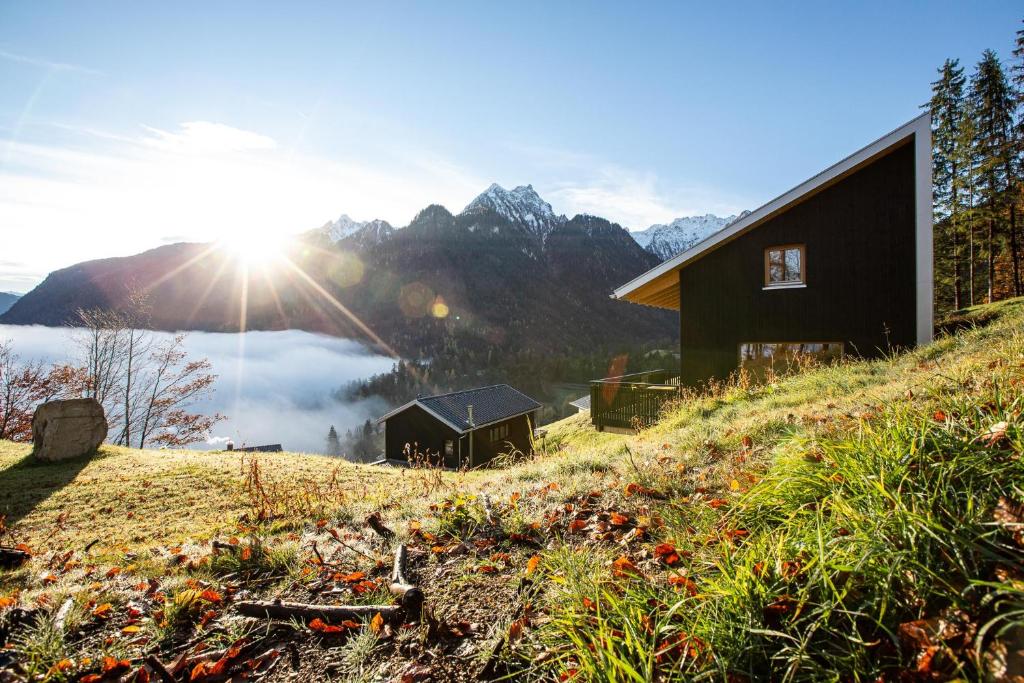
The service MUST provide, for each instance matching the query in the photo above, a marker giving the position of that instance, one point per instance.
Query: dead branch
(375, 522)
(90, 545)
(408, 594)
(298, 610)
(159, 669)
(220, 545)
(62, 615)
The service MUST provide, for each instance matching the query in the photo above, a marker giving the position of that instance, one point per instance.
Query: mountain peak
(667, 240)
(520, 205)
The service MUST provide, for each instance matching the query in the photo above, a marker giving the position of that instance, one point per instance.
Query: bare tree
(26, 384)
(146, 385)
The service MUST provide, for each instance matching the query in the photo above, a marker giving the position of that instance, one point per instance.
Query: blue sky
(126, 125)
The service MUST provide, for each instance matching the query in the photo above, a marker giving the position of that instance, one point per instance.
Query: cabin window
(499, 433)
(784, 266)
(449, 448)
(761, 359)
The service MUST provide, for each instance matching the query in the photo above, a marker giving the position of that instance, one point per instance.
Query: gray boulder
(62, 430)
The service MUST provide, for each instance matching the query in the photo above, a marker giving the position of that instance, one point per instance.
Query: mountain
(7, 300)
(665, 241)
(520, 205)
(506, 276)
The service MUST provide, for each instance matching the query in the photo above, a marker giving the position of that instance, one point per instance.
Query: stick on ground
(300, 610)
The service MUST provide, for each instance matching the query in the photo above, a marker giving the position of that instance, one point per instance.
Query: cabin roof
(490, 404)
(659, 286)
(583, 402)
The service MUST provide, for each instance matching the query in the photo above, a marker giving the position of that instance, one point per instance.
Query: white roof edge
(417, 402)
(918, 123)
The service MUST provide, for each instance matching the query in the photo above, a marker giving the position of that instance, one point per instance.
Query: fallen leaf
(667, 553)
(683, 582)
(320, 626)
(515, 631)
(748, 443)
(995, 434)
(103, 611)
(532, 564)
(377, 623)
(246, 554)
(618, 519)
(624, 567)
(939, 416)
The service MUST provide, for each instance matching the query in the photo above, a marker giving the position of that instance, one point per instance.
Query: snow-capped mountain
(665, 241)
(521, 205)
(341, 228)
(362, 232)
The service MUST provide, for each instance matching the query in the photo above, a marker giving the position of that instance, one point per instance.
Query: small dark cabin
(839, 265)
(461, 429)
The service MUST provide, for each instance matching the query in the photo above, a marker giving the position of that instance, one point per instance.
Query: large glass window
(499, 433)
(760, 359)
(784, 266)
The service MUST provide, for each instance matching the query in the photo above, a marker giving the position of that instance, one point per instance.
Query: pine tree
(1017, 84)
(333, 443)
(947, 110)
(969, 181)
(993, 108)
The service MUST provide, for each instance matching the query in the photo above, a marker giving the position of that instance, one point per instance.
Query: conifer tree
(948, 157)
(993, 110)
(333, 443)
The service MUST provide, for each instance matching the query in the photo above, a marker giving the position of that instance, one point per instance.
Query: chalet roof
(659, 286)
(490, 405)
(583, 402)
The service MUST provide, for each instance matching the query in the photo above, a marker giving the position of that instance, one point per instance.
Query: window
(784, 266)
(499, 433)
(760, 359)
(449, 448)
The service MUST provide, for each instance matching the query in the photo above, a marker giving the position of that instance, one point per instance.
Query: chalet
(461, 429)
(839, 265)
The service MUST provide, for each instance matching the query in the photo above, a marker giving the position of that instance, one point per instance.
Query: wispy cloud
(633, 198)
(47, 64)
(107, 194)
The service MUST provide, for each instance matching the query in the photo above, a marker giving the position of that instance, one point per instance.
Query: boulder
(62, 430)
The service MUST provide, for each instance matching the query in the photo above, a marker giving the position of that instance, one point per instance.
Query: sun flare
(256, 250)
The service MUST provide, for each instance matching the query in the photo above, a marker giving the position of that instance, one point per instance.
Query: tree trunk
(1014, 253)
(970, 262)
(991, 263)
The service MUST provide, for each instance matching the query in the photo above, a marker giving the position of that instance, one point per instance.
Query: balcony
(630, 402)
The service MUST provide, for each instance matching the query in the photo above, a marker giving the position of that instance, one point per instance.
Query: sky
(124, 126)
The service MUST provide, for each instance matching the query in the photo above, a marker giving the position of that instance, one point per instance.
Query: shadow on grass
(28, 483)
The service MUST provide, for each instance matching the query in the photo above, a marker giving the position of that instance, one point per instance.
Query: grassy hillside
(857, 522)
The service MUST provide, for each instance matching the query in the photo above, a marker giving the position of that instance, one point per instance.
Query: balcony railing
(631, 402)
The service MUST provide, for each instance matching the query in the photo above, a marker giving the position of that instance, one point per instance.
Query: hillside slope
(854, 522)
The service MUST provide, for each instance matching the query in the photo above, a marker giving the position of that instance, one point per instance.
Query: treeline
(978, 158)
(551, 379)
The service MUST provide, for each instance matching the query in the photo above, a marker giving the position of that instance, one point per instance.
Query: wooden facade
(858, 244)
(426, 434)
(840, 264)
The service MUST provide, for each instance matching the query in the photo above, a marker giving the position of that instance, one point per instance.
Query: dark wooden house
(461, 429)
(839, 265)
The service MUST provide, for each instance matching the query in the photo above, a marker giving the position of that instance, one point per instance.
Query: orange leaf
(114, 571)
(377, 623)
(90, 678)
(103, 611)
(246, 554)
(487, 569)
(7, 602)
(717, 502)
(618, 519)
(577, 525)
(667, 553)
(321, 626)
(142, 676)
(939, 416)
(354, 577)
(624, 567)
(532, 564)
(683, 582)
(211, 596)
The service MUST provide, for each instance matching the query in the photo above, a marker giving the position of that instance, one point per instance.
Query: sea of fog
(274, 387)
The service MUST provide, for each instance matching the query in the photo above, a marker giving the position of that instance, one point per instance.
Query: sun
(256, 250)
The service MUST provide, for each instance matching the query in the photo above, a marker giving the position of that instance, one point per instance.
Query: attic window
(784, 266)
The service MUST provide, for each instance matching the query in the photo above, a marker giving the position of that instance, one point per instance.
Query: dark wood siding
(484, 449)
(860, 270)
(416, 426)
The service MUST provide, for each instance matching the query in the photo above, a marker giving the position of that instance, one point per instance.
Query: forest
(978, 168)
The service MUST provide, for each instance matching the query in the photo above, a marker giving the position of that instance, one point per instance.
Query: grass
(859, 522)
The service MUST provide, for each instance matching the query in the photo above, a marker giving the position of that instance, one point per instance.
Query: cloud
(275, 387)
(99, 194)
(46, 64)
(636, 199)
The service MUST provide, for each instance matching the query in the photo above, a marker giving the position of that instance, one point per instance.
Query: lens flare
(255, 251)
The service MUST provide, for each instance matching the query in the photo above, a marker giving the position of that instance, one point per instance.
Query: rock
(68, 429)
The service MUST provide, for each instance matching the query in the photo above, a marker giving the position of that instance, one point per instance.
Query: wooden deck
(631, 402)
